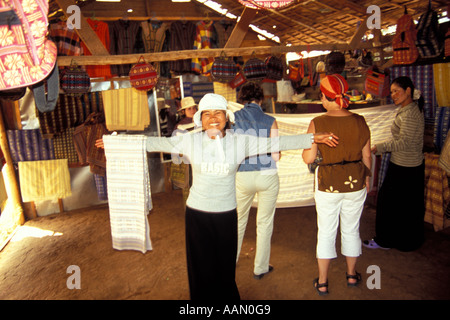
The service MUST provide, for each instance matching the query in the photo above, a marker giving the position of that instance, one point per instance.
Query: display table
(315, 106)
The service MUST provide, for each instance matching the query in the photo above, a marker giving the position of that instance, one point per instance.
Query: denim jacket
(252, 120)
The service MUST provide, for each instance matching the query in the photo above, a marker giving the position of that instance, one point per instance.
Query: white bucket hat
(187, 102)
(212, 101)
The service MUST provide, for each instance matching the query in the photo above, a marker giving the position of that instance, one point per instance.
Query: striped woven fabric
(441, 73)
(100, 185)
(44, 180)
(126, 109)
(204, 39)
(28, 145)
(129, 194)
(422, 77)
(70, 111)
(64, 146)
(437, 193)
(441, 126)
(225, 90)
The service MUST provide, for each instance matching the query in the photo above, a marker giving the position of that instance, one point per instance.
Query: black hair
(406, 82)
(251, 91)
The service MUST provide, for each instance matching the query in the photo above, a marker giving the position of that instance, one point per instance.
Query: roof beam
(241, 28)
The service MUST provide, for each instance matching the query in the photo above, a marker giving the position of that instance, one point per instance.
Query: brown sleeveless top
(342, 169)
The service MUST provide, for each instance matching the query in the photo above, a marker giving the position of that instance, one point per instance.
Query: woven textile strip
(28, 145)
(441, 126)
(437, 193)
(296, 182)
(126, 109)
(199, 89)
(44, 180)
(423, 79)
(225, 90)
(441, 72)
(129, 194)
(101, 186)
(69, 112)
(64, 146)
(205, 35)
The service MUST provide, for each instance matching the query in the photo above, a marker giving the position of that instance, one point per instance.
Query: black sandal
(356, 277)
(318, 285)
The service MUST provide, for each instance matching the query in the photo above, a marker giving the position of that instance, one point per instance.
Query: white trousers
(266, 185)
(334, 209)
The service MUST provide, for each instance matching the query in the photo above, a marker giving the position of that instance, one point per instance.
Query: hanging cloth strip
(28, 145)
(129, 195)
(44, 180)
(126, 109)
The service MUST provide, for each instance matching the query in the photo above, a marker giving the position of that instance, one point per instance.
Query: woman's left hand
(328, 138)
(99, 144)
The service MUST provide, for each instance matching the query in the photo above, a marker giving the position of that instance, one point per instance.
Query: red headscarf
(334, 86)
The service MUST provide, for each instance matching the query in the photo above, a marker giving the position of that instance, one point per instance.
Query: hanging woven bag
(143, 75)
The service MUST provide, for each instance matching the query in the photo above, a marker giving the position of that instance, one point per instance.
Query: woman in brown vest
(341, 180)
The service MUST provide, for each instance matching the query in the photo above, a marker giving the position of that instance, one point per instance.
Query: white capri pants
(265, 183)
(332, 207)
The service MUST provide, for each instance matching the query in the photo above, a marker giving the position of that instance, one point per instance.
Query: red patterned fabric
(26, 55)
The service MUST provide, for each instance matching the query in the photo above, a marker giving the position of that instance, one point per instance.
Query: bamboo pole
(203, 53)
(13, 215)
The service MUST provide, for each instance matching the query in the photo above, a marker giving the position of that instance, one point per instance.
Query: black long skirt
(211, 248)
(401, 208)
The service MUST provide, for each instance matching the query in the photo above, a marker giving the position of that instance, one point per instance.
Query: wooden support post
(14, 215)
(61, 206)
(167, 182)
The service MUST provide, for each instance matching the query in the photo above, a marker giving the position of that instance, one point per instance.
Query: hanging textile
(422, 77)
(225, 90)
(70, 111)
(437, 193)
(101, 186)
(441, 126)
(44, 180)
(126, 109)
(154, 35)
(84, 138)
(124, 36)
(29, 145)
(102, 30)
(205, 38)
(129, 194)
(182, 36)
(199, 89)
(64, 146)
(67, 40)
(223, 31)
(441, 73)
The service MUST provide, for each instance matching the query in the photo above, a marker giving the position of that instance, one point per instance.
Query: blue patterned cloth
(441, 126)
(29, 145)
(423, 79)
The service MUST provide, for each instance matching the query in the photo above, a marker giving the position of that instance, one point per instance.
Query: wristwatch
(312, 138)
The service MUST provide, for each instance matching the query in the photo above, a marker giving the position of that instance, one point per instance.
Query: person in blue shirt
(257, 175)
